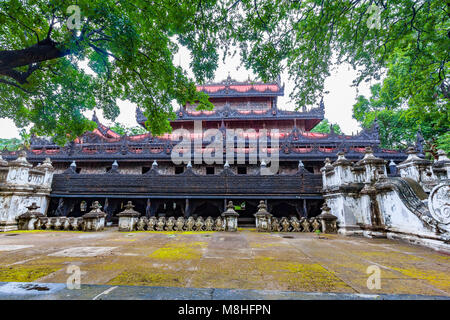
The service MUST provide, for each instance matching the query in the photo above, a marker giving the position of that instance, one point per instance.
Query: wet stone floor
(242, 260)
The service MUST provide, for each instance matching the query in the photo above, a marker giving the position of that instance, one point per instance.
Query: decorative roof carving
(233, 88)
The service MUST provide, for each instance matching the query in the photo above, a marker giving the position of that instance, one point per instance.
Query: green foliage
(324, 127)
(11, 144)
(130, 46)
(398, 125)
(130, 131)
(306, 37)
(443, 142)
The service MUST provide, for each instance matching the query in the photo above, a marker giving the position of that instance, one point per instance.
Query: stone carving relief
(439, 203)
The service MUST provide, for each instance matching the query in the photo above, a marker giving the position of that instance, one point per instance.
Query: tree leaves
(130, 47)
(324, 126)
(127, 45)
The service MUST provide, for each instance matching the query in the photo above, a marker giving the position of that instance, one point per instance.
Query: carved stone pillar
(230, 218)
(417, 169)
(30, 219)
(441, 168)
(263, 218)
(128, 218)
(20, 186)
(327, 220)
(374, 167)
(95, 219)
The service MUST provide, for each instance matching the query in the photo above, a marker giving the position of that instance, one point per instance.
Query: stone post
(128, 218)
(441, 168)
(327, 174)
(230, 218)
(263, 218)
(374, 167)
(371, 215)
(95, 219)
(417, 169)
(340, 189)
(392, 168)
(327, 220)
(30, 219)
(342, 169)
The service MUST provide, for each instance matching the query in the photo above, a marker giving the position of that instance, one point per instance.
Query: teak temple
(113, 169)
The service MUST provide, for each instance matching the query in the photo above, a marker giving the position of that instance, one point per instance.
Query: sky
(338, 102)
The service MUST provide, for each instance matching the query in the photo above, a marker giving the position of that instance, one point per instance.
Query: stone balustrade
(34, 220)
(293, 224)
(366, 201)
(172, 224)
(428, 174)
(130, 220)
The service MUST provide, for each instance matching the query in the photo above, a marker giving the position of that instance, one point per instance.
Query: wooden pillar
(305, 209)
(148, 208)
(187, 209)
(107, 210)
(299, 209)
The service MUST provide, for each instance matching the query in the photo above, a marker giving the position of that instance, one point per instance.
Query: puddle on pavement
(30, 288)
(36, 287)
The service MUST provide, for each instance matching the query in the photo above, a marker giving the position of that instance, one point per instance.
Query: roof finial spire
(419, 142)
(321, 104)
(94, 117)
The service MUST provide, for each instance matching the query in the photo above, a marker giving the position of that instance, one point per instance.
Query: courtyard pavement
(216, 265)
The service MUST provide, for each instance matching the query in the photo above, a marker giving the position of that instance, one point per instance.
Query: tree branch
(42, 51)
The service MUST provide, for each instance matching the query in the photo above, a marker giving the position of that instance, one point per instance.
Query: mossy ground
(245, 259)
(24, 274)
(181, 250)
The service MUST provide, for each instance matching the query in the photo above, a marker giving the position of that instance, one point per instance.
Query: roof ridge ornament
(72, 169)
(321, 104)
(419, 142)
(114, 167)
(376, 129)
(95, 118)
(263, 163)
(332, 132)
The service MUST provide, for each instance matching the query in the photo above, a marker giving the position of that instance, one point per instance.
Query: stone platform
(277, 262)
